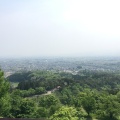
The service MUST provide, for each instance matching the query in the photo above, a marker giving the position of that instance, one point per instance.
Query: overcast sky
(59, 28)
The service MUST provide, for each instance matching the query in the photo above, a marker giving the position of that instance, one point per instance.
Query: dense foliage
(61, 96)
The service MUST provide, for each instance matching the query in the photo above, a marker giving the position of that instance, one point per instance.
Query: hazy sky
(59, 28)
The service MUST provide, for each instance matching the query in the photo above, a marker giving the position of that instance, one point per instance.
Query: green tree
(4, 95)
(48, 100)
(40, 90)
(27, 109)
(88, 103)
(16, 101)
(110, 107)
(65, 113)
(42, 112)
(4, 85)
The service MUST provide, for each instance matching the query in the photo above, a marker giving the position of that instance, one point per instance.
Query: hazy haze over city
(33, 28)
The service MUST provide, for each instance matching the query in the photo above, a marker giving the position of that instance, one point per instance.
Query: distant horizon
(54, 57)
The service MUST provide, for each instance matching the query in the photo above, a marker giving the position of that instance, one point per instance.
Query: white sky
(59, 28)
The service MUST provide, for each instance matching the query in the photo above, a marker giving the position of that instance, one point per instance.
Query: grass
(14, 84)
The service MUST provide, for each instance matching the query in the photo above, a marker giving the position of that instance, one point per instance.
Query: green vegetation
(4, 95)
(86, 95)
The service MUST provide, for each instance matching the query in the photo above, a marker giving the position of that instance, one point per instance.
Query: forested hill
(88, 95)
(50, 80)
